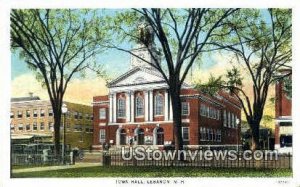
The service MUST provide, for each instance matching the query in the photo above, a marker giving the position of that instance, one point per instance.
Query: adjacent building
(138, 111)
(32, 121)
(283, 109)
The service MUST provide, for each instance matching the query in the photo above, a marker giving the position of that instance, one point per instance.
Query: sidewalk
(49, 168)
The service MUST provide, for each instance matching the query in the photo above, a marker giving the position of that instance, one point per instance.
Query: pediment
(137, 76)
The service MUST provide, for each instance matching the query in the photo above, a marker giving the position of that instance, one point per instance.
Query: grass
(30, 166)
(119, 171)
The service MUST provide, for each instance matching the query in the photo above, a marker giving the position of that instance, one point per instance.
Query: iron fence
(115, 158)
(39, 159)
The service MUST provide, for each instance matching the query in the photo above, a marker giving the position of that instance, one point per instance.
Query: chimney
(30, 94)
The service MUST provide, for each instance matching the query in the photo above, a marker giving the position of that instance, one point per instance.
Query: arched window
(158, 104)
(139, 106)
(160, 136)
(121, 108)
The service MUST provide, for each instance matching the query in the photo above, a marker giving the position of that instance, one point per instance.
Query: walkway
(48, 168)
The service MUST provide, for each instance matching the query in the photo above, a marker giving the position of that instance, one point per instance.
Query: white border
(5, 75)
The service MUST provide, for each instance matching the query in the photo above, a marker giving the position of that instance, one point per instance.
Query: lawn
(119, 171)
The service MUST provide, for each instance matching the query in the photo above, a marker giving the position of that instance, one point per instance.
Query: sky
(115, 62)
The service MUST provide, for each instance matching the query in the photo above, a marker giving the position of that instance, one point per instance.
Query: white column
(115, 107)
(171, 109)
(110, 108)
(132, 106)
(166, 105)
(146, 105)
(151, 105)
(127, 106)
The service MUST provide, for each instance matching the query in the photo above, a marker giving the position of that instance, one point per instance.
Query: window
(185, 108)
(80, 115)
(76, 115)
(203, 110)
(121, 108)
(78, 127)
(210, 112)
(27, 113)
(224, 118)
(42, 112)
(89, 130)
(87, 116)
(228, 119)
(158, 104)
(20, 114)
(207, 111)
(202, 133)
(232, 120)
(211, 135)
(50, 112)
(102, 135)
(185, 133)
(208, 135)
(20, 127)
(34, 126)
(12, 115)
(12, 127)
(51, 126)
(102, 113)
(35, 113)
(218, 114)
(42, 126)
(219, 135)
(28, 127)
(235, 121)
(139, 106)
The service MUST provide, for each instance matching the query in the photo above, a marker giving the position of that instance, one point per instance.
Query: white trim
(166, 106)
(127, 95)
(146, 105)
(284, 119)
(151, 105)
(110, 108)
(114, 107)
(131, 106)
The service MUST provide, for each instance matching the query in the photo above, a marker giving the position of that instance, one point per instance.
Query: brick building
(138, 111)
(283, 115)
(32, 122)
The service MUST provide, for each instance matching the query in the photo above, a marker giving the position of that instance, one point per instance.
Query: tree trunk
(57, 122)
(176, 105)
(255, 136)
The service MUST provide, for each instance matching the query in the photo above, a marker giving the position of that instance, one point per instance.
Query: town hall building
(138, 111)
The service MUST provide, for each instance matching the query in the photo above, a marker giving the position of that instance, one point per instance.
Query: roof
(139, 76)
(20, 99)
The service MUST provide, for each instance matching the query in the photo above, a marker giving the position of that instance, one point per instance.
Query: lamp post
(64, 110)
(237, 131)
